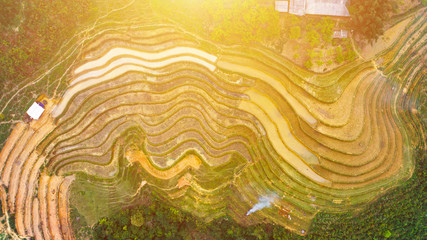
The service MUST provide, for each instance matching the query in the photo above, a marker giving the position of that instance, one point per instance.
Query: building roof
(297, 7)
(35, 111)
(340, 34)
(327, 7)
(281, 6)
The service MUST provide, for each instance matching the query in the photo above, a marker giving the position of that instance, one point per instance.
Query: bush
(295, 32)
(137, 218)
(308, 64)
(339, 57)
(313, 37)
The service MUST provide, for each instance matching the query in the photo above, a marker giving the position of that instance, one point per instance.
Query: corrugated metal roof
(327, 7)
(35, 111)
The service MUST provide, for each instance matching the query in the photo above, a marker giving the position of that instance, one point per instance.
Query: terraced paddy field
(213, 129)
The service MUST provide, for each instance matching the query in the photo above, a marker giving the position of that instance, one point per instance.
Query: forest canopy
(369, 16)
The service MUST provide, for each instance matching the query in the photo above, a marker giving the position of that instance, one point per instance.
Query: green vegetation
(295, 32)
(225, 21)
(93, 200)
(244, 22)
(29, 41)
(9, 13)
(309, 42)
(369, 16)
(164, 221)
(400, 214)
(240, 21)
(137, 218)
(32, 32)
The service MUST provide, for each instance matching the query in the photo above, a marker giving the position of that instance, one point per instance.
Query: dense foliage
(369, 16)
(162, 221)
(225, 21)
(31, 34)
(9, 12)
(241, 21)
(31, 31)
(307, 41)
(400, 214)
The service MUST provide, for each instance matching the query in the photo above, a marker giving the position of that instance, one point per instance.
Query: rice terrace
(196, 119)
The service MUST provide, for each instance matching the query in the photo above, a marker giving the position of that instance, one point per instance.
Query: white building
(336, 8)
(35, 111)
(327, 7)
(297, 7)
(340, 34)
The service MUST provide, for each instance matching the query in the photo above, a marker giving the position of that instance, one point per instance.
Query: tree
(368, 17)
(339, 57)
(295, 32)
(308, 64)
(313, 38)
(137, 218)
(326, 26)
(238, 21)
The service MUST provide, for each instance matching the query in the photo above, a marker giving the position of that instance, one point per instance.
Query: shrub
(137, 218)
(308, 64)
(295, 32)
(313, 38)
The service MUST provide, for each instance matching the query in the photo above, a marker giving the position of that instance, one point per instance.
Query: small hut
(34, 112)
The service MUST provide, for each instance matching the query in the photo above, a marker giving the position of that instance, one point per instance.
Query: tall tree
(368, 17)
